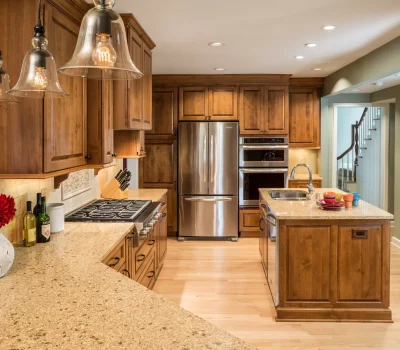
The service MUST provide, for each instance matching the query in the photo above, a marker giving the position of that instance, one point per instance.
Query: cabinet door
(165, 112)
(65, 118)
(251, 110)
(223, 103)
(249, 220)
(193, 103)
(277, 109)
(159, 170)
(147, 87)
(360, 258)
(304, 117)
(128, 95)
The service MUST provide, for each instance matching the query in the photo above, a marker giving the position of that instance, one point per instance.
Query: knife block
(112, 191)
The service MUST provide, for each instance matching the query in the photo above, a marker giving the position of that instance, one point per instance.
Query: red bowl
(329, 200)
(330, 194)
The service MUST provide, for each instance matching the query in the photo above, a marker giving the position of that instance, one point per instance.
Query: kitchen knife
(119, 173)
(125, 186)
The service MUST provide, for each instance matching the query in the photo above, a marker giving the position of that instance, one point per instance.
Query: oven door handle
(263, 170)
(264, 147)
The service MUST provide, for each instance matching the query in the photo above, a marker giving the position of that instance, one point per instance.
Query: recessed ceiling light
(311, 45)
(329, 27)
(298, 57)
(216, 44)
(379, 83)
(356, 90)
(219, 69)
(317, 69)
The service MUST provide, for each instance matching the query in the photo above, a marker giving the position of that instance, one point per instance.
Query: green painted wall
(378, 64)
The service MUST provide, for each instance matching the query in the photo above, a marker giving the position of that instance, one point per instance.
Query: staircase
(358, 161)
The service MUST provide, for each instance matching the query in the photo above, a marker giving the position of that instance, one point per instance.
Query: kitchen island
(61, 295)
(326, 265)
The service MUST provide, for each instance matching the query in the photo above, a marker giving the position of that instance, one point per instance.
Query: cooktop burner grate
(109, 211)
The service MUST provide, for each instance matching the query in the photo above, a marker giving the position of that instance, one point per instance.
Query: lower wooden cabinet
(142, 258)
(249, 222)
(303, 184)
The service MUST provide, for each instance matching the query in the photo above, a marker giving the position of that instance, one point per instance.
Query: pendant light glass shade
(102, 49)
(38, 78)
(5, 98)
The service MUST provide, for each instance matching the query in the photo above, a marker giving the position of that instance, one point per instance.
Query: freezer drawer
(208, 216)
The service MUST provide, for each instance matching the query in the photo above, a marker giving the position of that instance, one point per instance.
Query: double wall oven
(263, 163)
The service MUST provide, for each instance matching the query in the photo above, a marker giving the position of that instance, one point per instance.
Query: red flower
(7, 209)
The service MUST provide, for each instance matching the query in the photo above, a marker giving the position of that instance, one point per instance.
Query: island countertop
(299, 210)
(60, 295)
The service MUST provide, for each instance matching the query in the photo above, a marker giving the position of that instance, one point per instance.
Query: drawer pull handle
(117, 259)
(162, 204)
(259, 224)
(142, 257)
(360, 234)
(164, 215)
(151, 274)
(152, 242)
(126, 272)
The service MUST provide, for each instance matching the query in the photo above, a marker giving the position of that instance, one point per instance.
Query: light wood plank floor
(223, 282)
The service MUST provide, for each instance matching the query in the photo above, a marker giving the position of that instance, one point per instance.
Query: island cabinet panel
(193, 103)
(223, 103)
(251, 111)
(360, 264)
(65, 118)
(277, 110)
(309, 262)
(304, 117)
(165, 112)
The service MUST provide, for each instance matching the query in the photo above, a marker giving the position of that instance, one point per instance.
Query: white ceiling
(263, 36)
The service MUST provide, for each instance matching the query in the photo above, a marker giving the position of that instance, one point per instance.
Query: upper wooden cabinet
(165, 112)
(132, 98)
(208, 103)
(304, 117)
(43, 136)
(263, 110)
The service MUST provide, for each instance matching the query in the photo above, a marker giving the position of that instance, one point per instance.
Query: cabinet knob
(114, 155)
(88, 157)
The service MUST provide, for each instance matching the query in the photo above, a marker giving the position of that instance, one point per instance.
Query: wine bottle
(29, 226)
(36, 209)
(43, 224)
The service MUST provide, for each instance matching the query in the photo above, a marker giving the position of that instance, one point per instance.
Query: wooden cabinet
(251, 110)
(117, 258)
(304, 116)
(263, 243)
(341, 271)
(208, 103)
(162, 236)
(129, 144)
(303, 184)
(249, 222)
(159, 170)
(263, 110)
(165, 112)
(132, 98)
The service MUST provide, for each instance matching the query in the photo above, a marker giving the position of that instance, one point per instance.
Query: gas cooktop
(109, 210)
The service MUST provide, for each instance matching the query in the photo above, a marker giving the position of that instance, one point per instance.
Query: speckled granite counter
(151, 194)
(60, 295)
(299, 210)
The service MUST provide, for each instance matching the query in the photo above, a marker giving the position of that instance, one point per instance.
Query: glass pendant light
(102, 48)
(38, 77)
(5, 98)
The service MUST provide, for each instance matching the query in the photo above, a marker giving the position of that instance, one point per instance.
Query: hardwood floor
(223, 282)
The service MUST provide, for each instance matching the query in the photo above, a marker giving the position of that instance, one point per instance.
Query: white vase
(6, 255)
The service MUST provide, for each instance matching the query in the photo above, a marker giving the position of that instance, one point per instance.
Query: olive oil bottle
(29, 226)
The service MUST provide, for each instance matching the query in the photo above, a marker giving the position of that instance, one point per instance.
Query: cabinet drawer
(117, 258)
(249, 220)
(303, 184)
(163, 204)
(124, 270)
(141, 256)
(149, 274)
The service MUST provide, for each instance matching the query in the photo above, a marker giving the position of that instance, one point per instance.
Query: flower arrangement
(7, 209)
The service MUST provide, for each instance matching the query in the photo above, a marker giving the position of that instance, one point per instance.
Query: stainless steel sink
(289, 195)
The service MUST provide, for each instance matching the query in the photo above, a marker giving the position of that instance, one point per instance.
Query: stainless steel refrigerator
(208, 179)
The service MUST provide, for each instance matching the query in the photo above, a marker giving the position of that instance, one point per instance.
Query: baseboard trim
(396, 242)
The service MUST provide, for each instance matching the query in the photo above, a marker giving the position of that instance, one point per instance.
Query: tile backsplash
(308, 156)
(25, 190)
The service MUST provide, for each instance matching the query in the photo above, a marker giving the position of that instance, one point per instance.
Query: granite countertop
(151, 194)
(299, 210)
(306, 177)
(60, 295)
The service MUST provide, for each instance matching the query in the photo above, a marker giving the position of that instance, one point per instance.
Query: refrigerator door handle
(205, 159)
(211, 158)
(200, 199)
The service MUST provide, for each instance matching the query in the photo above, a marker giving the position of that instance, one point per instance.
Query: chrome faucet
(310, 184)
